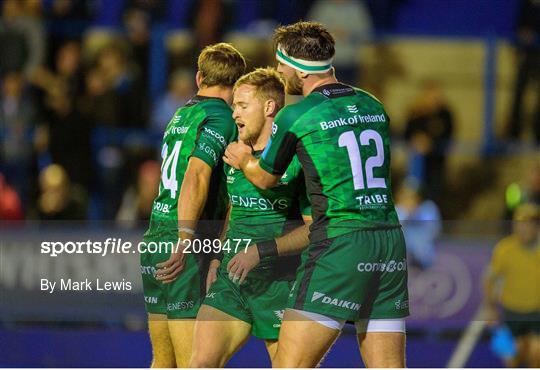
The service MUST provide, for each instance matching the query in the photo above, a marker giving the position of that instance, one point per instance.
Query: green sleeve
(281, 147)
(304, 203)
(214, 136)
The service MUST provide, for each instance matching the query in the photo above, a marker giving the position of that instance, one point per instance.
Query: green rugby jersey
(262, 215)
(342, 139)
(202, 128)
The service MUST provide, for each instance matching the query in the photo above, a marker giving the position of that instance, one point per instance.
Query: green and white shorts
(179, 299)
(359, 277)
(258, 302)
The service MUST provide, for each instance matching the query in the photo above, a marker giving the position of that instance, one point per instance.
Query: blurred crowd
(81, 113)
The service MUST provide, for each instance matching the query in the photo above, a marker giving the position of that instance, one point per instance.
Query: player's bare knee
(162, 363)
(284, 359)
(203, 363)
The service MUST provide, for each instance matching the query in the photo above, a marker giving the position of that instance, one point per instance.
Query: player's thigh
(181, 332)
(217, 337)
(271, 348)
(162, 348)
(302, 342)
(266, 301)
(382, 349)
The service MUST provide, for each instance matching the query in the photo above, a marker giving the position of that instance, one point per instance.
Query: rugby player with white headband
(355, 267)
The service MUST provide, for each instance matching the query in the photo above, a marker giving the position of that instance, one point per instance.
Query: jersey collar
(199, 98)
(335, 90)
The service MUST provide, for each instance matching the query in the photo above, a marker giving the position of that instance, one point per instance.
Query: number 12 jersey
(342, 138)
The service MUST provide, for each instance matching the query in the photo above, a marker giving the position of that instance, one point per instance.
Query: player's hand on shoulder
(237, 154)
(242, 263)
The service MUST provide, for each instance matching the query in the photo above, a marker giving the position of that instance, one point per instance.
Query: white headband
(307, 66)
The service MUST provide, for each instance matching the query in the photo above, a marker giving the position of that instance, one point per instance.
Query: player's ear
(302, 75)
(270, 108)
(199, 79)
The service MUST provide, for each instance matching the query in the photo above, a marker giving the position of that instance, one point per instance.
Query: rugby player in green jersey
(253, 284)
(355, 267)
(193, 142)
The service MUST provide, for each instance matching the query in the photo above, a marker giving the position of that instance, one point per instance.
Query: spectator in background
(429, 132)
(68, 66)
(181, 89)
(22, 38)
(421, 221)
(349, 22)
(137, 26)
(154, 9)
(512, 282)
(67, 70)
(528, 55)
(66, 20)
(123, 81)
(10, 204)
(17, 120)
(68, 134)
(208, 17)
(97, 104)
(59, 199)
(62, 10)
(138, 199)
(528, 192)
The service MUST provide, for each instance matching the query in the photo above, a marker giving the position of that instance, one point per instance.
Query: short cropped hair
(221, 64)
(527, 212)
(268, 83)
(305, 40)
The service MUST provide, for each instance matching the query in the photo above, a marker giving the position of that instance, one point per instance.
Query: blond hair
(268, 84)
(221, 64)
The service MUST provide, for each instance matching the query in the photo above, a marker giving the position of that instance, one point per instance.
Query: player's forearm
(257, 176)
(223, 232)
(293, 242)
(191, 204)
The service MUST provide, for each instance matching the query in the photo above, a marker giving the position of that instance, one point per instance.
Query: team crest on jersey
(352, 108)
(230, 177)
(284, 179)
(279, 314)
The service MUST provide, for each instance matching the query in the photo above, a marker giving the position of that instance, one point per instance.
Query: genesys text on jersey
(118, 246)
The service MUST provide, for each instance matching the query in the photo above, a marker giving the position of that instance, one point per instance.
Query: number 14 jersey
(341, 136)
(202, 128)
